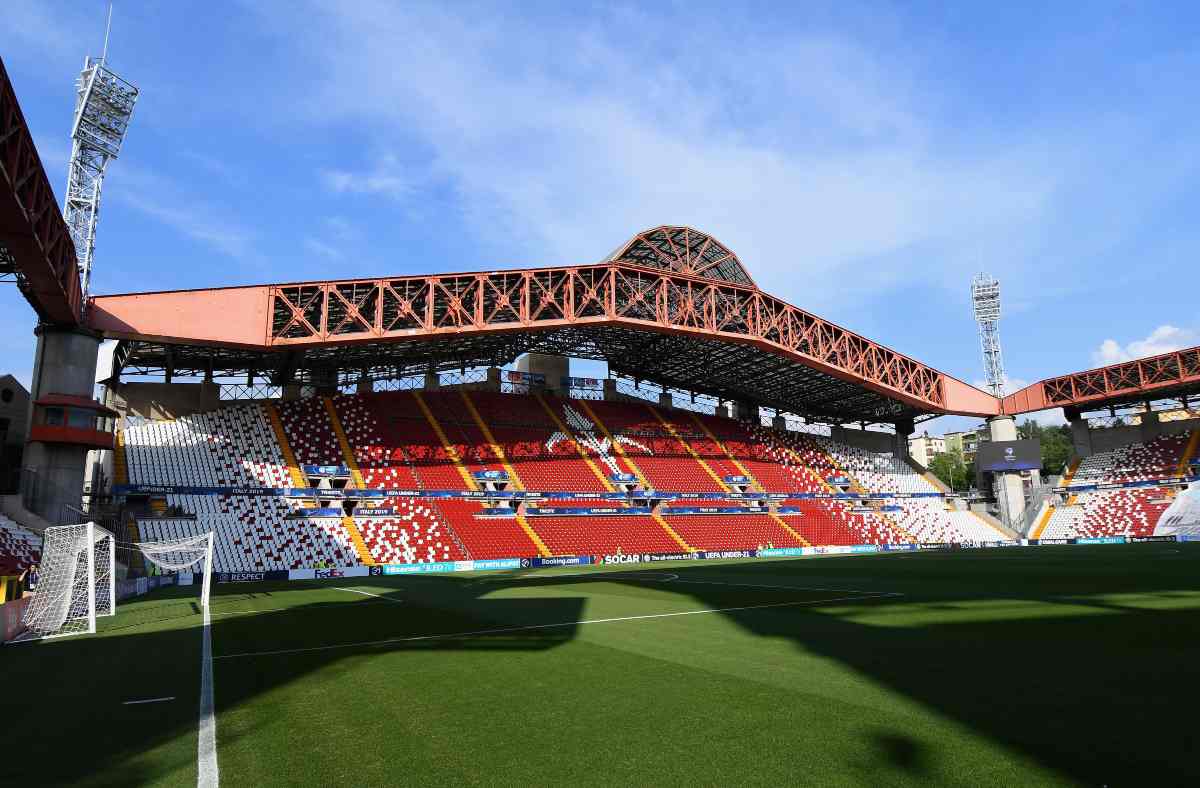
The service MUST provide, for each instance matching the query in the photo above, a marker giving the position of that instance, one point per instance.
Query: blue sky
(863, 160)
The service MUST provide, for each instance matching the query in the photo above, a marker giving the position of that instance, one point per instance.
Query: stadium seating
(662, 458)
(739, 532)
(548, 444)
(1131, 512)
(415, 534)
(20, 548)
(603, 535)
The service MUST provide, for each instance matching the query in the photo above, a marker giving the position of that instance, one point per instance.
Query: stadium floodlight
(985, 300)
(103, 106)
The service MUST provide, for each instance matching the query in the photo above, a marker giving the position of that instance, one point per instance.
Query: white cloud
(810, 156)
(383, 178)
(322, 249)
(1163, 339)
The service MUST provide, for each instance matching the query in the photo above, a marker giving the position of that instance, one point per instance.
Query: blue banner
(562, 560)
(1100, 540)
(325, 470)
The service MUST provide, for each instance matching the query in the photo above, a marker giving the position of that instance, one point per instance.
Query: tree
(1057, 445)
(950, 468)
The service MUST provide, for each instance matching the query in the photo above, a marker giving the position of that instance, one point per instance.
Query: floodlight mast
(985, 299)
(103, 106)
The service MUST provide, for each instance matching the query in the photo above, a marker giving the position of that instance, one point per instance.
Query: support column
(779, 423)
(433, 381)
(1151, 426)
(493, 380)
(1010, 492)
(904, 430)
(1081, 436)
(65, 363)
(610, 390)
(744, 411)
(666, 400)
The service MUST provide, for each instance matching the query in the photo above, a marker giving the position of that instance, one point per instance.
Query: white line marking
(779, 588)
(207, 773)
(502, 630)
(368, 593)
(148, 700)
(302, 609)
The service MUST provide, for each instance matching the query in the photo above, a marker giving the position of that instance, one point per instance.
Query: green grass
(1051, 665)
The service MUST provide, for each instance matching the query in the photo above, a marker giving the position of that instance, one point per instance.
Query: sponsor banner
(650, 558)
(558, 560)
(325, 511)
(1051, 541)
(525, 378)
(838, 480)
(900, 548)
(325, 470)
(1009, 543)
(845, 549)
(586, 511)
(737, 479)
(491, 564)
(301, 574)
(499, 511)
(680, 510)
(934, 546)
(419, 569)
(1187, 537)
(719, 554)
(376, 571)
(1158, 538)
(633, 558)
(623, 477)
(383, 493)
(335, 573)
(783, 552)
(1100, 540)
(891, 508)
(581, 383)
(250, 577)
(490, 475)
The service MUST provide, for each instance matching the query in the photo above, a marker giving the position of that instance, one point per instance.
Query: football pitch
(1019, 666)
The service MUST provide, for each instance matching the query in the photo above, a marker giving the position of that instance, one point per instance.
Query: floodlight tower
(103, 106)
(985, 298)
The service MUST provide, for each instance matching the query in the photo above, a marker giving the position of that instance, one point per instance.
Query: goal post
(76, 582)
(177, 555)
(77, 577)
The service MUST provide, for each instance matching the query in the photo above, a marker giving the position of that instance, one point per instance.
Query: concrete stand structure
(1010, 493)
(65, 364)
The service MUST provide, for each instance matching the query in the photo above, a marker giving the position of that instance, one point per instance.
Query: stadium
(375, 530)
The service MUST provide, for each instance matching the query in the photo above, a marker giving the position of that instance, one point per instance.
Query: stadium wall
(1088, 441)
(163, 401)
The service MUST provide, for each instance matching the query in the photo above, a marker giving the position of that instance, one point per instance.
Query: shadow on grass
(1098, 692)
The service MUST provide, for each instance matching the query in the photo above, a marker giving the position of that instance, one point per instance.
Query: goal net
(75, 582)
(76, 577)
(180, 555)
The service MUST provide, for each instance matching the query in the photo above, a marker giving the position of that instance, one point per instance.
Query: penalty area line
(556, 625)
(368, 593)
(147, 700)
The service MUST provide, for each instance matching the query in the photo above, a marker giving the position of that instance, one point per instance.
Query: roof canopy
(672, 305)
(683, 250)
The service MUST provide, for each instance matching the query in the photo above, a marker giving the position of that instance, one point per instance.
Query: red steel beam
(31, 225)
(314, 314)
(1143, 378)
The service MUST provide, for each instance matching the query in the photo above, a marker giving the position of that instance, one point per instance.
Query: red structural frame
(1169, 374)
(40, 252)
(374, 309)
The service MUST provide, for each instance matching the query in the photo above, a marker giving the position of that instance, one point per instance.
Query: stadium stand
(20, 548)
(438, 440)
(1131, 512)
